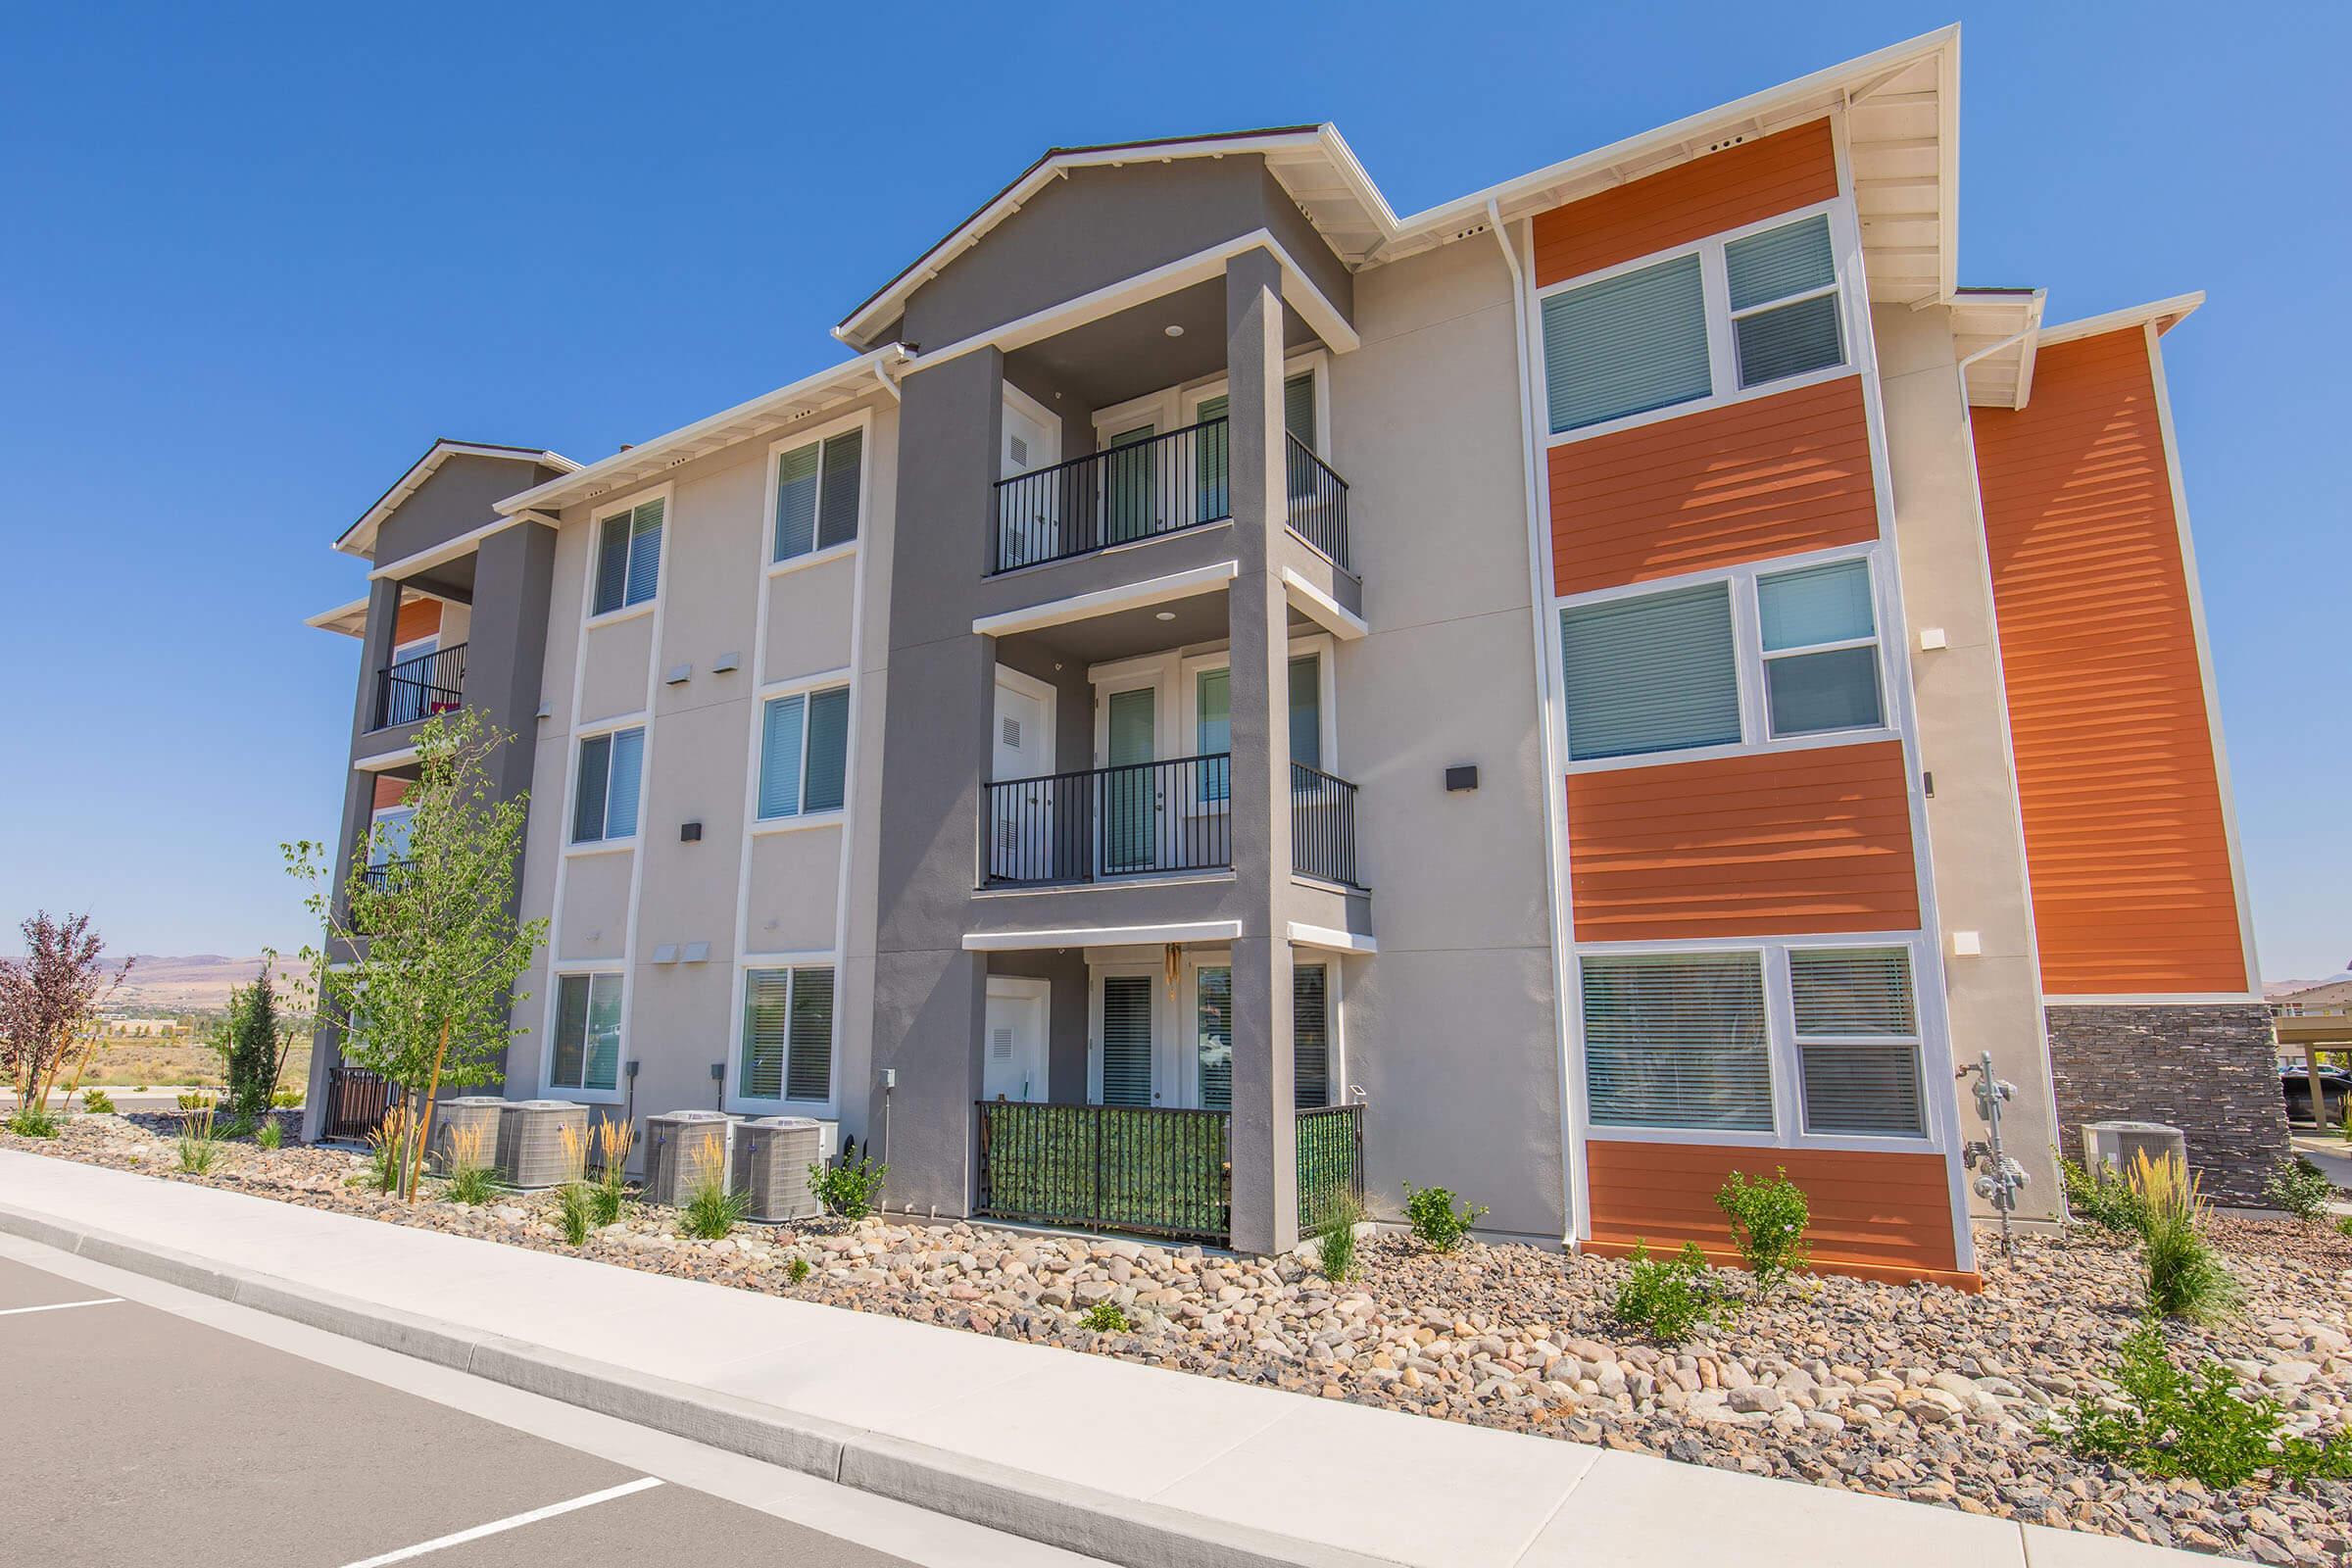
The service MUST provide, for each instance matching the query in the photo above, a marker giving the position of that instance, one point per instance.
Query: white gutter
(1572, 1152)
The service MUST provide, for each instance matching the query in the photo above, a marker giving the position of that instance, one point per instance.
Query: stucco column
(1266, 1186)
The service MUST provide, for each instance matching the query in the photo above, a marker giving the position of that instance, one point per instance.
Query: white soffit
(351, 620)
(768, 415)
(360, 538)
(1994, 334)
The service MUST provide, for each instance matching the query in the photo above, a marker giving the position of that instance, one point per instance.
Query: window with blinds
(1655, 674)
(1310, 1036)
(1306, 710)
(605, 795)
(1297, 407)
(1782, 285)
(587, 1042)
(628, 558)
(1127, 1040)
(1677, 1041)
(1627, 344)
(787, 1034)
(1821, 655)
(805, 753)
(1857, 1041)
(816, 495)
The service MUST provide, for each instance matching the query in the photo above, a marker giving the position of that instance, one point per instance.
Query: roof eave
(360, 538)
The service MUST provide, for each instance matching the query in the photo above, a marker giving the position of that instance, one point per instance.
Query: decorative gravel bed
(1906, 1390)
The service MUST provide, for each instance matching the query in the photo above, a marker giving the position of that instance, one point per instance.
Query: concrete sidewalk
(1127, 1463)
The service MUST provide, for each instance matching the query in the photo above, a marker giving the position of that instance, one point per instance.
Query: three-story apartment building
(1624, 676)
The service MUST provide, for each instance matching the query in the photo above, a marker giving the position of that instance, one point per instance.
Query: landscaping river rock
(1909, 1391)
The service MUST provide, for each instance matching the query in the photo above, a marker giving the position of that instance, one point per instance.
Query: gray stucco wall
(2207, 1068)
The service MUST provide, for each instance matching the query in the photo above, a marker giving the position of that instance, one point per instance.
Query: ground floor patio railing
(1331, 1160)
(356, 1102)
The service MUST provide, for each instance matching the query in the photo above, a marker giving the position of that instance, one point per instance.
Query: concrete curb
(996, 1496)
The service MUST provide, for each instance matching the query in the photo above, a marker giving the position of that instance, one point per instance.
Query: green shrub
(1106, 1318)
(196, 1099)
(2343, 1225)
(2182, 1276)
(799, 1270)
(97, 1103)
(1666, 1298)
(199, 1147)
(250, 1048)
(238, 1127)
(270, 1134)
(851, 1191)
(1335, 1238)
(2103, 1198)
(2300, 1188)
(1768, 1226)
(2176, 1422)
(1434, 1220)
(470, 1185)
(34, 1122)
(285, 1098)
(575, 1207)
(711, 1210)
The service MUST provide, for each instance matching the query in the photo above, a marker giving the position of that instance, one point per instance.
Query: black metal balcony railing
(1319, 500)
(1136, 820)
(1330, 1145)
(415, 689)
(1134, 491)
(1322, 825)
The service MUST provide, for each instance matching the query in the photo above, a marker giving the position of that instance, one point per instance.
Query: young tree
(426, 1002)
(252, 1045)
(49, 999)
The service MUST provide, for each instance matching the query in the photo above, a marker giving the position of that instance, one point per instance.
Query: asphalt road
(137, 1436)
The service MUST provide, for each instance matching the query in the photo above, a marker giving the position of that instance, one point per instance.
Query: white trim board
(1323, 610)
(1331, 941)
(1105, 601)
(1102, 936)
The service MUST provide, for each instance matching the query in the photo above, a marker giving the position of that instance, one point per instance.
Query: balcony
(1145, 489)
(415, 689)
(1152, 819)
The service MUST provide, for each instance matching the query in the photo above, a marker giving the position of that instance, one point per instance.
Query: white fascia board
(1323, 610)
(1324, 937)
(1102, 936)
(384, 761)
(1103, 601)
(1464, 211)
(360, 538)
(2167, 313)
(339, 619)
(758, 417)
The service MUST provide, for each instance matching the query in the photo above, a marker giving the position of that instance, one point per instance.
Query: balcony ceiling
(1125, 356)
(1132, 633)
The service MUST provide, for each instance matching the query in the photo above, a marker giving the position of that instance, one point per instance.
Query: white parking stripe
(59, 1306)
(497, 1525)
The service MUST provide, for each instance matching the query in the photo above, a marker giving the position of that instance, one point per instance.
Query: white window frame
(377, 819)
(802, 686)
(862, 422)
(735, 1099)
(1764, 655)
(596, 530)
(1747, 645)
(572, 795)
(1937, 1112)
(586, 969)
(1722, 350)
(1168, 1033)
(1916, 1039)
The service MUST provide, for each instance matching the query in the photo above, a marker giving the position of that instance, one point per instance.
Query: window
(1821, 658)
(605, 804)
(816, 495)
(1627, 344)
(788, 1035)
(1655, 674)
(1641, 339)
(587, 1031)
(1857, 1041)
(1310, 1036)
(1127, 1040)
(1212, 733)
(1212, 1018)
(1306, 710)
(1782, 285)
(1677, 1041)
(803, 753)
(390, 843)
(628, 556)
(1298, 408)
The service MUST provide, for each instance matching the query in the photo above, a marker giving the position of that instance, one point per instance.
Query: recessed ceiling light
(1173, 330)
(1167, 614)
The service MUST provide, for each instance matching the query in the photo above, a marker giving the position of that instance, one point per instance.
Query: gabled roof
(1902, 111)
(360, 538)
(2167, 313)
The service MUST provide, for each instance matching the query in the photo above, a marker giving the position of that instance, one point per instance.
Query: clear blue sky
(258, 261)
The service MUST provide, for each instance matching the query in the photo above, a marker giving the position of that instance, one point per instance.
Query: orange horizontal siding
(1739, 185)
(1779, 843)
(2126, 839)
(1771, 476)
(389, 791)
(1887, 1215)
(419, 618)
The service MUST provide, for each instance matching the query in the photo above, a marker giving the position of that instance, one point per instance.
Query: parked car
(2335, 1088)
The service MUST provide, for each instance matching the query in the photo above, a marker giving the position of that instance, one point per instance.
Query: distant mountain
(194, 983)
(2274, 989)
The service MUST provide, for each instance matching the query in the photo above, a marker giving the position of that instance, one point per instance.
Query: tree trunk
(425, 1117)
(82, 1068)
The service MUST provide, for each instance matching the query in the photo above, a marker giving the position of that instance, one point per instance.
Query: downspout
(899, 352)
(1572, 1152)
